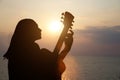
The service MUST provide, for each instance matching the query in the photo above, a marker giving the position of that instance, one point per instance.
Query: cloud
(107, 35)
(0, 1)
(97, 41)
(103, 41)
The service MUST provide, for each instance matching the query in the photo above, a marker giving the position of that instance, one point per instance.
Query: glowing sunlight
(55, 26)
(72, 68)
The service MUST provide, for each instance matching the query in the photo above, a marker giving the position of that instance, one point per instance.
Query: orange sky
(97, 13)
(86, 12)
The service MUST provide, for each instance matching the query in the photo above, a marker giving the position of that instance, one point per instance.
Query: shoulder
(44, 50)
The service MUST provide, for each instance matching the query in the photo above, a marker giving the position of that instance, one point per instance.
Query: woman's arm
(68, 44)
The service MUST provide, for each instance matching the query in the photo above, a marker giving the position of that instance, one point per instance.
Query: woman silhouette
(26, 61)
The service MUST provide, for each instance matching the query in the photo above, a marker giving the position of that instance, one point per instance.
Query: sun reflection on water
(71, 68)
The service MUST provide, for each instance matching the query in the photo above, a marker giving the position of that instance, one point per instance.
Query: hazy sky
(96, 15)
(86, 12)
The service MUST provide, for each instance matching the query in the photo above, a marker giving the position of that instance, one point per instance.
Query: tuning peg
(70, 27)
(62, 17)
(62, 14)
(71, 24)
(61, 21)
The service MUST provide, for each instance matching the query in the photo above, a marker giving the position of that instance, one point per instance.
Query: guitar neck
(67, 21)
(60, 41)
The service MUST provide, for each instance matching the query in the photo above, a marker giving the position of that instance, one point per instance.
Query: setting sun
(55, 26)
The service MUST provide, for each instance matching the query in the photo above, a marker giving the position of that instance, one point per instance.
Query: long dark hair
(23, 33)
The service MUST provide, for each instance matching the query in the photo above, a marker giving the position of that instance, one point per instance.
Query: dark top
(32, 63)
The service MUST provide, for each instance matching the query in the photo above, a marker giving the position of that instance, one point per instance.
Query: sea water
(92, 68)
(82, 68)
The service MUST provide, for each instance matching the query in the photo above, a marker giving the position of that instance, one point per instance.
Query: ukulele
(67, 19)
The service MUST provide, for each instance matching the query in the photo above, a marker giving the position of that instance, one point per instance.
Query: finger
(71, 32)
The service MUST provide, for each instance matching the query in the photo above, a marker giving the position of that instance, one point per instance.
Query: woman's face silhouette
(27, 30)
(37, 33)
(34, 31)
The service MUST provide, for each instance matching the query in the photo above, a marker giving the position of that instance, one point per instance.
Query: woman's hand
(68, 41)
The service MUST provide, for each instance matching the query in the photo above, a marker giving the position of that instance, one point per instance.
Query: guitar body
(61, 67)
(67, 21)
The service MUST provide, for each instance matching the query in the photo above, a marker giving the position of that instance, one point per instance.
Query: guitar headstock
(67, 19)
